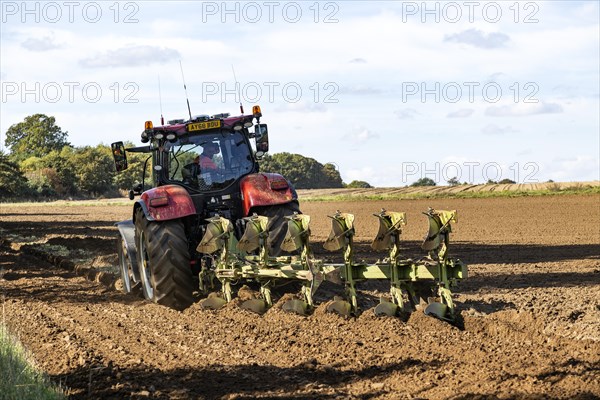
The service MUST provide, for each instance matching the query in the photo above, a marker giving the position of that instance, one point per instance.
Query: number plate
(201, 126)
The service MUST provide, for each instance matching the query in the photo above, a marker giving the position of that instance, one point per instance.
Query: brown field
(529, 313)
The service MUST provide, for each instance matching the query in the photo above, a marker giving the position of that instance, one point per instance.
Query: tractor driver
(203, 167)
(206, 158)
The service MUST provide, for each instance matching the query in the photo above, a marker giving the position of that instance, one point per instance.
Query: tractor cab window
(210, 161)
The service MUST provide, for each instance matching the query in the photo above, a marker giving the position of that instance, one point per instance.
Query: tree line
(42, 163)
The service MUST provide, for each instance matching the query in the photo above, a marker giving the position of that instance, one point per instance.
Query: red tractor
(212, 216)
(202, 168)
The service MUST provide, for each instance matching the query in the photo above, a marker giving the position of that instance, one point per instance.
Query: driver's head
(211, 149)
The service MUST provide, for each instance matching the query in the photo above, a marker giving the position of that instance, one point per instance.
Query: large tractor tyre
(164, 262)
(277, 223)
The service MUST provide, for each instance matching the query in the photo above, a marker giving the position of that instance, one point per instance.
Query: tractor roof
(197, 125)
(204, 123)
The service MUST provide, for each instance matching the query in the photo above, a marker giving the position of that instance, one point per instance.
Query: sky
(387, 91)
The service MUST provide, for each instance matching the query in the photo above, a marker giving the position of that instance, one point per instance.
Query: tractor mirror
(136, 190)
(118, 152)
(261, 134)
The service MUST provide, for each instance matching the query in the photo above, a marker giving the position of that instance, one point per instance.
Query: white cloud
(358, 61)
(301, 107)
(576, 168)
(492, 129)
(407, 113)
(524, 109)
(367, 174)
(525, 152)
(496, 76)
(477, 38)
(131, 56)
(359, 90)
(360, 135)
(45, 43)
(462, 113)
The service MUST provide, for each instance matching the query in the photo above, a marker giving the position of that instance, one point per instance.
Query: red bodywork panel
(265, 189)
(178, 203)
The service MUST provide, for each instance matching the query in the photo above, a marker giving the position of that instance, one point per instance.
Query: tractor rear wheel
(164, 262)
(277, 223)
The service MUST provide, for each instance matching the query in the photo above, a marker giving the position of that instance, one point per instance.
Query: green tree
(331, 176)
(424, 182)
(53, 174)
(12, 181)
(505, 181)
(303, 172)
(453, 181)
(94, 169)
(359, 185)
(36, 136)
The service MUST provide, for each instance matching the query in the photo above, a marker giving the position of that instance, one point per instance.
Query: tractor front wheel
(164, 262)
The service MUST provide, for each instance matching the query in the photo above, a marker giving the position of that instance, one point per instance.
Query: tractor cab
(207, 162)
(203, 154)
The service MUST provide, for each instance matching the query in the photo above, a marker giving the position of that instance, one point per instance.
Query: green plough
(426, 281)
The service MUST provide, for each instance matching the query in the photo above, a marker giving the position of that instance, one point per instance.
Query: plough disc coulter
(413, 283)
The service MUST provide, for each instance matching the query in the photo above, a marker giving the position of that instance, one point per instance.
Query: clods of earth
(529, 313)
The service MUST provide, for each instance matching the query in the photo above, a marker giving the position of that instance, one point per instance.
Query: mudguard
(127, 232)
(164, 203)
(265, 189)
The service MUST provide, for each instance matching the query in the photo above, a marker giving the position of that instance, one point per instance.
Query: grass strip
(19, 378)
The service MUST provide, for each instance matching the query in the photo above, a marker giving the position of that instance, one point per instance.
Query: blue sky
(388, 91)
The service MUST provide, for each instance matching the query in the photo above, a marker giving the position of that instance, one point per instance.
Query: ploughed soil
(528, 326)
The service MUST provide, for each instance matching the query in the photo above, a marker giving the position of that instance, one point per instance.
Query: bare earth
(530, 314)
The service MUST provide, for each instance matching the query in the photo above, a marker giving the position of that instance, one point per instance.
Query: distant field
(462, 191)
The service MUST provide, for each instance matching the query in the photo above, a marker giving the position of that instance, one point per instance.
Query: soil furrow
(529, 328)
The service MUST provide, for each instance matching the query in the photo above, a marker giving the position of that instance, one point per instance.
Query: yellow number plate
(201, 126)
